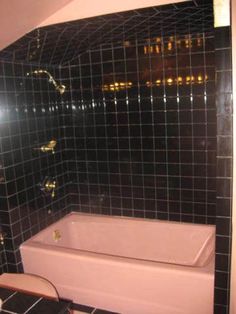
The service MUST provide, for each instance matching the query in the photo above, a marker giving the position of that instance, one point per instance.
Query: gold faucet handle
(53, 185)
(49, 147)
(2, 235)
(50, 185)
(52, 144)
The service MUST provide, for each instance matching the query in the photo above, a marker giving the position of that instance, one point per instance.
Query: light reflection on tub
(127, 265)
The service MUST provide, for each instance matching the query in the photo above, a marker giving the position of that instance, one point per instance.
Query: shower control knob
(49, 185)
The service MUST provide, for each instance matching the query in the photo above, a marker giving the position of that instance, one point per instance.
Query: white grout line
(8, 311)
(9, 298)
(33, 305)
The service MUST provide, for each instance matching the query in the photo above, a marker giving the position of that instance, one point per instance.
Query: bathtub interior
(143, 239)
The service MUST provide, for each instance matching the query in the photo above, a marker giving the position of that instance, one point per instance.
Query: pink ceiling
(78, 9)
(18, 17)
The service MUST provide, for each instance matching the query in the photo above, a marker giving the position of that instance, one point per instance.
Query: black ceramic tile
(222, 37)
(222, 296)
(223, 244)
(222, 280)
(31, 124)
(16, 302)
(49, 307)
(5, 293)
(224, 170)
(220, 309)
(224, 207)
(82, 308)
(19, 303)
(224, 124)
(222, 262)
(223, 226)
(223, 59)
(224, 187)
(225, 146)
(224, 81)
(104, 312)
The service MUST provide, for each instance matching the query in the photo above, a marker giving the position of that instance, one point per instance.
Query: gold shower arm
(59, 87)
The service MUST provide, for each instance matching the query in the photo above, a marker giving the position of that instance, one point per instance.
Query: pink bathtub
(127, 265)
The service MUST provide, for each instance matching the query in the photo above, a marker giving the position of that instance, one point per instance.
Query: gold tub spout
(56, 235)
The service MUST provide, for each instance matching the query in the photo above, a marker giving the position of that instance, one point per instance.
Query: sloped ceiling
(61, 44)
(78, 9)
(18, 17)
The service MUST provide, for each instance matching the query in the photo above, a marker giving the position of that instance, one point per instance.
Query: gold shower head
(61, 88)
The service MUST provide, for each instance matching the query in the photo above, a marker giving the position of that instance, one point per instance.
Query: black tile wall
(224, 108)
(144, 124)
(31, 114)
(4, 218)
(3, 262)
(125, 135)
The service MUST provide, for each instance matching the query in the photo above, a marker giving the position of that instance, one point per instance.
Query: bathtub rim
(206, 270)
(150, 220)
(33, 243)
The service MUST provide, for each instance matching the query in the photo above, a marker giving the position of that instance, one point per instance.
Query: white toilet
(29, 283)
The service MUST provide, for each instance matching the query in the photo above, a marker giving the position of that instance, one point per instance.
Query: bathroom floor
(83, 309)
(94, 312)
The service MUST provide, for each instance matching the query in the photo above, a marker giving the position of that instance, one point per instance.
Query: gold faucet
(49, 186)
(56, 235)
(49, 147)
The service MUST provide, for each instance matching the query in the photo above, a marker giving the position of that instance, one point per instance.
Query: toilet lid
(29, 283)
